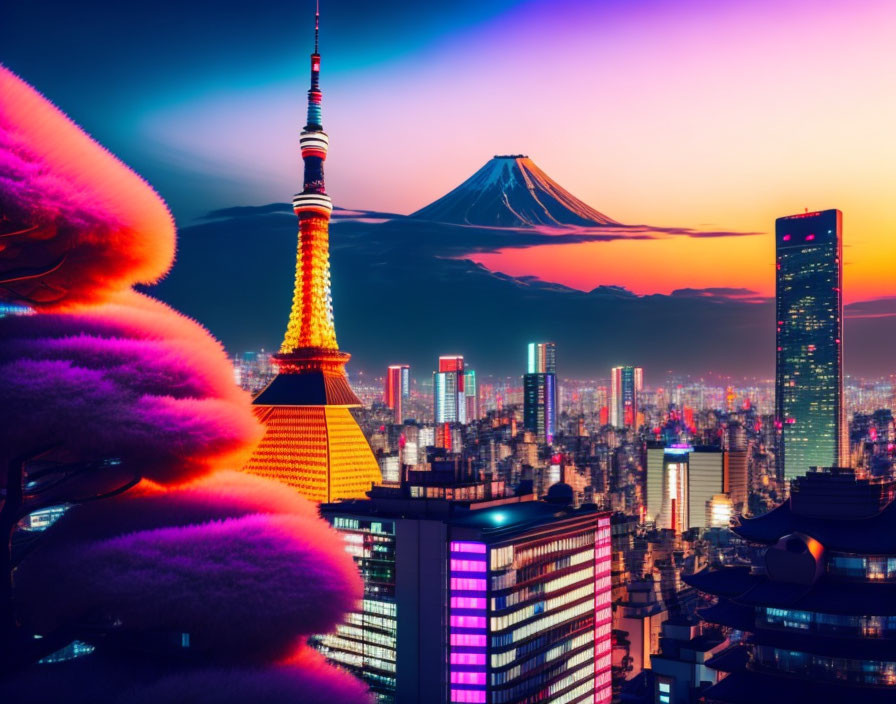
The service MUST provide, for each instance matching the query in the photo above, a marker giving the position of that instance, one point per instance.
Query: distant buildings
(540, 391)
(625, 390)
(680, 669)
(473, 596)
(681, 484)
(809, 409)
(253, 370)
(641, 616)
(817, 606)
(398, 389)
(471, 396)
(449, 399)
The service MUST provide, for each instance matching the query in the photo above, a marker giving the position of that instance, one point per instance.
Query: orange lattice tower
(311, 440)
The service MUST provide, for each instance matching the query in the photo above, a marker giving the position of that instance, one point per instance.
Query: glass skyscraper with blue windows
(809, 411)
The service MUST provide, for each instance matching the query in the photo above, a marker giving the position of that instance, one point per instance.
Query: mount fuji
(511, 191)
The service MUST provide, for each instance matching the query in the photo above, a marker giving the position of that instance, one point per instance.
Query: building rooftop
(493, 519)
(455, 494)
(845, 513)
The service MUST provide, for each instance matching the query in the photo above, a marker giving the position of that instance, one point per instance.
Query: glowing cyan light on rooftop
(499, 517)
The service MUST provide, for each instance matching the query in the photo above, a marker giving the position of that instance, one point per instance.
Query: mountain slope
(511, 191)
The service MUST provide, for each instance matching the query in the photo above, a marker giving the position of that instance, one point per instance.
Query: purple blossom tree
(190, 581)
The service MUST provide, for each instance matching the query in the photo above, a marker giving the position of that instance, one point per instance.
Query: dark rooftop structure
(819, 610)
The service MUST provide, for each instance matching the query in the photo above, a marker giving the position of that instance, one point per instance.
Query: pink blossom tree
(192, 582)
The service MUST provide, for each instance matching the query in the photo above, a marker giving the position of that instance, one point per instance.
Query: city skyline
(583, 454)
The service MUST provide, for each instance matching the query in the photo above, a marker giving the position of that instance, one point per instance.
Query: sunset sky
(670, 113)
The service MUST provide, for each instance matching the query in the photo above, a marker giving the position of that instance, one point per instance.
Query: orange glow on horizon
(663, 265)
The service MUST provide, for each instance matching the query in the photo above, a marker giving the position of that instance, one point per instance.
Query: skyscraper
(449, 400)
(542, 358)
(471, 395)
(474, 596)
(540, 390)
(809, 411)
(398, 389)
(625, 390)
(311, 440)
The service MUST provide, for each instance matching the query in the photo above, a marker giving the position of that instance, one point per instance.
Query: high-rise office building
(398, 389)
(809, 409)
(681, 484)
(625, 392)
(471, 395)
(541, 358)
(311, 440)
(540, 391)
(449, 399)
(817, 617)
(473, 596)
(539, 405)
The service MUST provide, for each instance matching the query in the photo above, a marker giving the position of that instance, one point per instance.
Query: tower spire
(311, 320)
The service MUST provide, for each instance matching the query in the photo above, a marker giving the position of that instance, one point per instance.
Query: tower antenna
(316, 25)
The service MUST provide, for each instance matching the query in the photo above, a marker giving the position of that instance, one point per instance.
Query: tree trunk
(10, 515)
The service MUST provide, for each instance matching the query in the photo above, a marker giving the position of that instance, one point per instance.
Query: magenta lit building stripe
(475, 548)
(468, 629)
(468, 639)
(468, 621)
(467, 566)
(468, 602)
(468, 658)
(467, 584)
(603, 616)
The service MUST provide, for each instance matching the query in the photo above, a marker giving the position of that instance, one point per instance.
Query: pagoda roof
(733, 659)
(855, 648)
(825, 596)
(872, 535)
(725, 581)
(726, 613)
(751, 687)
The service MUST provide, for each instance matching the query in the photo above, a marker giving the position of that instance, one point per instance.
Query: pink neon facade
(530, 617)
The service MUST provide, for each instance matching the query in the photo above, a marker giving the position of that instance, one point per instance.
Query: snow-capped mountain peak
(511, 191)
